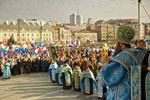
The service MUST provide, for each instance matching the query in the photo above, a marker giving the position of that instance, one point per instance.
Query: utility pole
(107, 34)
(41, 31)
(139, 2)
(114, 32)
(18, 21)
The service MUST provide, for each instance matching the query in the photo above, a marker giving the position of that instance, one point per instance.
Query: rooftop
(29, 22)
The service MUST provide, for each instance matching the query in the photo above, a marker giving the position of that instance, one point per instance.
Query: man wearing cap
(117, 73)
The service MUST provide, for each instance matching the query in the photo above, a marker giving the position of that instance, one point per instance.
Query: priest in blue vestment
(116, 73)
(52, 71)
(6, 72)
(67, 76)
(87, 81)
(59, 79)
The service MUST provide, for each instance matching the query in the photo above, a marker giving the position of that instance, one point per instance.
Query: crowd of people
(122, 74)
(21, 64)
(76, 59)
(119, 73)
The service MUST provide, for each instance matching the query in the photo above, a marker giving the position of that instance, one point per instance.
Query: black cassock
(143, 75)
(14, 70)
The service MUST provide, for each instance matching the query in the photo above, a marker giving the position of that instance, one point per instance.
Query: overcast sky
(60, 10)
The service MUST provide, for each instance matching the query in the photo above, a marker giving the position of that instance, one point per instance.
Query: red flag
(66, 43)
(77, 42)
(94, 41)
(72, 42)
(60, 42)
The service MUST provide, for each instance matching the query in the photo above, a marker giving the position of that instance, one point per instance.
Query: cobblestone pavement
(36, 86)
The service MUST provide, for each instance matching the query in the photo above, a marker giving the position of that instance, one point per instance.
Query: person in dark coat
(24, 63)
(43, 64)
(20, 65)
(145, 68)
(1, 68)
(14, 69)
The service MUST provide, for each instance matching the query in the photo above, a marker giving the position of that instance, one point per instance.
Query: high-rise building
(73, 19)
(79, 20)
(90, 21)
(76, 19)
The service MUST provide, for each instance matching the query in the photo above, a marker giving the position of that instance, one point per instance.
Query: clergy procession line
(78, 70)
(120, 74)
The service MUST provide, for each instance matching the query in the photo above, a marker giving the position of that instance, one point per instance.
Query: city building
(73, 19)
(90, 21)
(106, 32)
(99, 22)
(84, 36)
(75, 28)
(147, 29)
(121, 21)
(61, 33)
(76, 19)
(8, 29)
(90, 28)
(138, 35)
(79, 19)
(54, 23)
(26, 30)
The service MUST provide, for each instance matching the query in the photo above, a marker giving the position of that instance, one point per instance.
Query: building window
(37, 34)
(32, 34)
(17, 34)
(46, 34)
(27, 34)
(4, 34)
(22, 34)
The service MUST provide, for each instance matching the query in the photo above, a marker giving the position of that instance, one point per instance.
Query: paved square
(36, 86)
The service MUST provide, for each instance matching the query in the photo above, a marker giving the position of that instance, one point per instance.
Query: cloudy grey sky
(61, 9)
